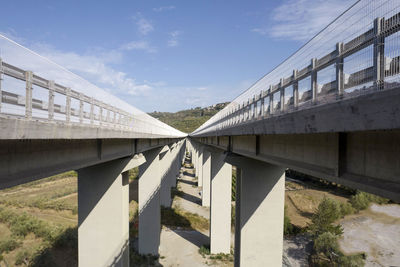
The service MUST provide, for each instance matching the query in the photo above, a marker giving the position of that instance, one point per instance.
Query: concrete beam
(374, 111)
(22, 161)
(20, 128)
(365, 160)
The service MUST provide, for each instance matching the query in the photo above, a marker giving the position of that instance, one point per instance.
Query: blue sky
(168, 55)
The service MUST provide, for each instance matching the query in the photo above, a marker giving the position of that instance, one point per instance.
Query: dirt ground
(375, 231)
(180, 247)
(301, 202)
(190, 198)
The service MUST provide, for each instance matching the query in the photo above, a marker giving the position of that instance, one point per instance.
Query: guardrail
(371, 60)
(87, 111)
(114, 118)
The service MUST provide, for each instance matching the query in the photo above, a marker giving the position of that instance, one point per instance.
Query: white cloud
(139, 45)
(144, 26)
(95, 67)
(163, 8)
(301, 19)
(174, 38)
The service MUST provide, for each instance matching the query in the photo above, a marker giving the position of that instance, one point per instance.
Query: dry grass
(50, 200)
(302, 202)
(176, 217)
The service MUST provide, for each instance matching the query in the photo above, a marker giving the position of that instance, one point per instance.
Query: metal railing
(27, 95)
(115, 118)
(366, 58)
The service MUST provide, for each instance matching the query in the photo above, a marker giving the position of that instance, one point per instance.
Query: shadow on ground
(189, 197)
(188, 174)
(63, 252)
(188, 182)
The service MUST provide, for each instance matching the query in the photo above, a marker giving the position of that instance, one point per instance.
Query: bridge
(330, 110)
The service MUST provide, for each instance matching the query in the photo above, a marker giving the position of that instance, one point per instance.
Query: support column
(220, 212)
(206, 189)
(149, 203)
(260, 198)
(167, 172)
(103, 219)
(176, 164)
(196, 160)
(200, 172)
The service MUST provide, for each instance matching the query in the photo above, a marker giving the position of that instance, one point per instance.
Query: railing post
(51, 100)
(28, 94)
(91, 111)
(1, 80)
(80, 108)
(271, 103)
(254, 107)
(282, 95)
(295, 89)
(379, 54)
(339, 69)
(262, 106)
(68, 105)
(314, 80)
(101, 114)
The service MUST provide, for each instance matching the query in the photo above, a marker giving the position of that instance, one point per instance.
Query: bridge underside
(22, 161)
(362, 160)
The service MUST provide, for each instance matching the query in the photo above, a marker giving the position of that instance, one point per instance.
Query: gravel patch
(374, 233)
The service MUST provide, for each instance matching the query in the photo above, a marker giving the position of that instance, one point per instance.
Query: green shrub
(352, 260)
(21, 225)
(346, 209)
(133, 174)
(22, 256)
(287, 225)
(328, 211)
(9, 245)
(362, 200)
(326, 243)
(204, 250)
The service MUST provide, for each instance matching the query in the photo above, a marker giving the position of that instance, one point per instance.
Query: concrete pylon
(150, 175)
(196, 160)
(103, 213)
(166, 167)
(200, 167)
(220, 212)
(206, 188)
(260, 196)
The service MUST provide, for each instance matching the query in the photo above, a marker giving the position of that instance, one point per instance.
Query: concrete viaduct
(329, 113)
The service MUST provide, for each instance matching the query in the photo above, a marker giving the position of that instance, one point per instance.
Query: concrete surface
(206, 187)
(181, 248)
(149, 203)
(220, 204)
(261, 203)
(103, 218)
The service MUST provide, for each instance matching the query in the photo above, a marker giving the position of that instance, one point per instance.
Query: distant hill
(188, 120)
